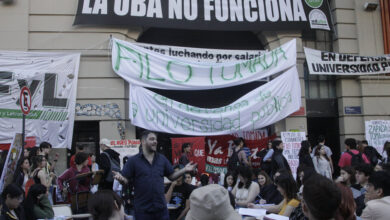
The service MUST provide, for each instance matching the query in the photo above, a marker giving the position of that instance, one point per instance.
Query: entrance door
(86, 133)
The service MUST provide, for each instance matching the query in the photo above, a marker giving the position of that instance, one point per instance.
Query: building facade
(47, 25)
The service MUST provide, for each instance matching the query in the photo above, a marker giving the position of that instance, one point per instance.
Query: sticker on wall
(314, 3)
(318, 20)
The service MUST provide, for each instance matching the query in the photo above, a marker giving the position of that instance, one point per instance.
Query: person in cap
(211, 202)
(106, 159)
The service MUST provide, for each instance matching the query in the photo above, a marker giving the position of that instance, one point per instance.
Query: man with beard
(146, 171)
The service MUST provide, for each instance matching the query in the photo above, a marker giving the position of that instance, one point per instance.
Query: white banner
(52, 80)
(377, 133)
(11, 162)
(205, 55)
(263, 106)
(142, 67)
(328, 63)
(292, 145)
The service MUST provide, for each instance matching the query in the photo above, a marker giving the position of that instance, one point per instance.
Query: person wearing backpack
(109, 161)
(371, 153)
(352, 157)
(238, 156)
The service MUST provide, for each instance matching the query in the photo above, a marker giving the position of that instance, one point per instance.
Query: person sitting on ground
(110, 209)
(363, 172)
(76, 185)
(346, 158)
(377, 197)
(268, 191)
(37, 203)
(305, 155)
(178, 193)
(287, 187)
(245, 191)
(322, 163)
(321, 198)
(12, 199)
(229, 181)
(347, 207)
(348, 178)
(211, 202)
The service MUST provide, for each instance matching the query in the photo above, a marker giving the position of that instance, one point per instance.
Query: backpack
(234, 161)
(114, 166)
(356, 159)
(371, 153)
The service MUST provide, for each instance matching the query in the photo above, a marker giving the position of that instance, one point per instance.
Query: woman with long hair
(347, 177)
(22, 173)
(268, 192)
(229, 181)
(245, 191)
(321, 162)
(287, 187)
(347, 208)
(37, 203)
(386, 152)
(39, 174)
(304, 155)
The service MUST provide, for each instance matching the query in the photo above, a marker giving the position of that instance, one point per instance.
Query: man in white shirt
(377, 197)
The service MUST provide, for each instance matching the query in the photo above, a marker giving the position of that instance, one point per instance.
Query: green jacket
(44, 210)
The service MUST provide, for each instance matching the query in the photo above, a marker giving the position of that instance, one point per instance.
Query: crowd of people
(150, 187)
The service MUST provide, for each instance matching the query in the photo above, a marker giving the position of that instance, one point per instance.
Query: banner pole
(23, 130)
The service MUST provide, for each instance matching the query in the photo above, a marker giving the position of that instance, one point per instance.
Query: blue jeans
(163, 215)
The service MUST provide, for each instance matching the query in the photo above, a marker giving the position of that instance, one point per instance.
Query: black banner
(207, 14)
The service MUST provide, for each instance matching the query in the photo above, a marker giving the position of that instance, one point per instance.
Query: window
(319, 86)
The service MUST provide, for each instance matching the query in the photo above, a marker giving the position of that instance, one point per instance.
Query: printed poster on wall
(377, 133)
(329, 63)
(257, 109)
(146, 68)
(207, 14)
(52, 80)
(11, 162)
(292, 145)
(125, 148)
(197, 153)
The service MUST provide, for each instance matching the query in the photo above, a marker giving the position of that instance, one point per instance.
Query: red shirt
(345, 159)
(73, 164)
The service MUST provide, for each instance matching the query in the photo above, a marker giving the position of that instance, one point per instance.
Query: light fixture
(370, 6)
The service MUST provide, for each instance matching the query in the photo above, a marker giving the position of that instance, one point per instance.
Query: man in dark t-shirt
(177, 194)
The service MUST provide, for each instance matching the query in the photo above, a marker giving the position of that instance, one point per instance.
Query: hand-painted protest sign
(197, 154)
(219, 148)
(11, 162)
(329, 63)
(257, 109)
(207, 14)
(292, 145)
(377, 133)
(125, 148)
(52, 80)
(202, 54)
(142, 67)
